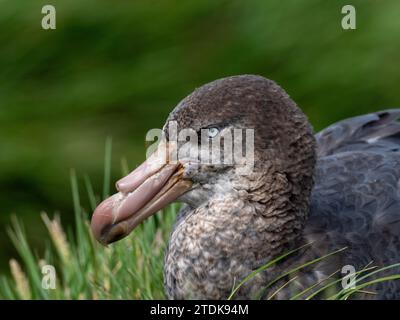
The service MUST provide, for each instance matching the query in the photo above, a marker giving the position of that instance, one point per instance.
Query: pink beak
(143, 192)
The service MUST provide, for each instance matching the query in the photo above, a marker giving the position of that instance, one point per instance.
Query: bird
(334, 194)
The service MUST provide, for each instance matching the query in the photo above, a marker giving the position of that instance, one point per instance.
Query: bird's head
(225, 130)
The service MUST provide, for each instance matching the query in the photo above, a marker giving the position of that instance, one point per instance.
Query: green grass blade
(344, 292)
(303, 292)
(18, 237)
(124, 167)
(262, 268)
(77, 209)
(107, 168)
(7, 292)
(299, 268)
(314, 294)
(282, 287)
(90, 192)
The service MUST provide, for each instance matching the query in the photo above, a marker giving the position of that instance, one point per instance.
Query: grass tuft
(129, 269)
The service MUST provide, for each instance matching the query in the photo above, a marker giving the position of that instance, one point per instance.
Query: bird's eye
(212, 132)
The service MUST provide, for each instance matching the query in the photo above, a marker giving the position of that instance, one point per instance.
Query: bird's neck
(216, 245)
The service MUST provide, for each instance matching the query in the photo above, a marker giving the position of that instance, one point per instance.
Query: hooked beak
(154, 184)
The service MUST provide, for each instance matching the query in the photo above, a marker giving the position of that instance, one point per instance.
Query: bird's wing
(374, 131)
(356, 198)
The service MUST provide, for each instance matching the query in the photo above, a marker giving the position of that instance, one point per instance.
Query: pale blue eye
(212, 132)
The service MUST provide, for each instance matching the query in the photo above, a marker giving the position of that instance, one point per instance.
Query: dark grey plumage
(356, 199)
(232, 225)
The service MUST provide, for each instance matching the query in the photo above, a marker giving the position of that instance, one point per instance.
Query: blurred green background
(117, 68)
